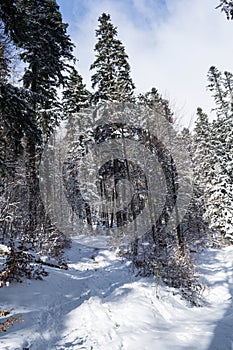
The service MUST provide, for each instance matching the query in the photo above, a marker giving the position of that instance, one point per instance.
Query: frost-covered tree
(220, 203)
(213, 156)
(75, 94)
(111, 79)
(201, 159)
(15, 111)
(216, 81)
(201, 148)
(218, 191)
(160, 252)
(37, 30)
(227, 7)
(75, 98)
(156, 102)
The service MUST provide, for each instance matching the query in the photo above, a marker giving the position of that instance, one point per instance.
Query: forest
(105, 162)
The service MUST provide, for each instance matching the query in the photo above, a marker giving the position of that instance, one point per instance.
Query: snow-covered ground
(98, 305)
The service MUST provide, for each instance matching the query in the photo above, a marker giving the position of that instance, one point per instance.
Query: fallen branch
(57, 266)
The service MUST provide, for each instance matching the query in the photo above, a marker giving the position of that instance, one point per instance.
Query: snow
(4, 249)
(98, 304)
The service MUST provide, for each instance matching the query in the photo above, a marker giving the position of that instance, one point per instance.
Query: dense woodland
(36, 62)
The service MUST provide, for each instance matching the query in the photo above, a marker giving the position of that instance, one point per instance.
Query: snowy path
(98, 305)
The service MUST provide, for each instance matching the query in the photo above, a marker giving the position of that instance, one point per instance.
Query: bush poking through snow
(166, 263)
(3, 313)
(21, 264)
(9, 321)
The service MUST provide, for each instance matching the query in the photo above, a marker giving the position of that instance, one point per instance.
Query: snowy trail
(98, 305)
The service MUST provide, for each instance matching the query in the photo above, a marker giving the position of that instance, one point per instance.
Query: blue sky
(73, 10)
(171, 45)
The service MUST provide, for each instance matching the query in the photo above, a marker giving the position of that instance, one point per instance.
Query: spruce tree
(219, 189)
(36, 28)
(213, 155)
(227, 7)
(219, 94)
(201, 154)
(222, 132)
(75, 94)
(75, 98)
(111, 79)
(201, 147)
(15, 111)
(156, 102)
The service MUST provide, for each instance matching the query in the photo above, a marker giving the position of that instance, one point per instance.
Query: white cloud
(170, 48)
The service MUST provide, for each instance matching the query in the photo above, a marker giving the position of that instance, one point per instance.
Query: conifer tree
(215, 85)
(201, 147)
(227, 7)
(75, 94)
(213, 154)
(15, 111)
(36, 28)
(155, 101)
(192, 225)
(201, 158)
(219, 189)
(111, 79)
(75, 98)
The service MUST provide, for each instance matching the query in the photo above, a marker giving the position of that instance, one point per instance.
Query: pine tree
(214, 156)
(156, 102)
(75, 94)
(201, 154)
(112, 79)
(219, 189)
(36, 28)
(228, 86)
(75, 98)
(215, 85)
(15, 111)
(201, 148)
(227, 7)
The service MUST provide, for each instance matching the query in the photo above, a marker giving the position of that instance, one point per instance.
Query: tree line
(36, 59)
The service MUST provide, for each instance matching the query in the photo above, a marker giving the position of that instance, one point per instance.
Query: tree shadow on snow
(223, 333)
(64, 291)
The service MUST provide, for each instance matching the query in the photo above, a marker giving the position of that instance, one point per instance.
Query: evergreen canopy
(36, 28)
(112, 78)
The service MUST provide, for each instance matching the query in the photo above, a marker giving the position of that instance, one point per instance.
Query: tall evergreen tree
(36, 28)
(75, 98)
(15, 111)
(215, 85)
(221, 86)
(201, 147)
(75, 94)
(214, 156)
(111, 79)
(201, 154)
(155, 101)
(219, 189)
(193, 227)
